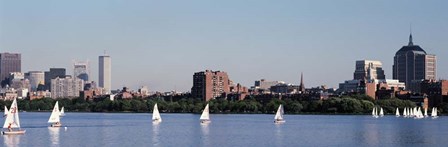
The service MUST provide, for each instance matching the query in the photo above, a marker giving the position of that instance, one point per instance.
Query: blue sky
(162, 43)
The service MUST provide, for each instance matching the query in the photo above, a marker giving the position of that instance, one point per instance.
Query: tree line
(359, 104)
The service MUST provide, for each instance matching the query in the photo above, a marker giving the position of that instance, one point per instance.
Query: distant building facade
(81, 70)
(368, 70)
(412, 63)
(9, 62)
(264, 86)
(210, 84)
(36, 78)
(104, 73)
(66, 87)
(53, 73)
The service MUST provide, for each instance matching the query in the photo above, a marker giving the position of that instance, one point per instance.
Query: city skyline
(162, 44)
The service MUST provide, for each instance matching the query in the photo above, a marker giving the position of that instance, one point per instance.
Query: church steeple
(410, 40)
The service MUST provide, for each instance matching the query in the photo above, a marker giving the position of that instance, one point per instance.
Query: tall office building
(36, 78)
(411, 63)
(81, 70)
(53, 73)
(369, 70)
(104, 73)
(66, 87)
(210, 84)
(9, 62)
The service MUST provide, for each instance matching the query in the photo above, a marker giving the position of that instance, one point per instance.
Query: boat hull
(56, 125)
(19, 132)
(279, 121)
(205, 121)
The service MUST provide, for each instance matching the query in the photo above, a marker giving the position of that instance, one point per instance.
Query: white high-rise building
(66, 87)
(104, 73)
(369, 70)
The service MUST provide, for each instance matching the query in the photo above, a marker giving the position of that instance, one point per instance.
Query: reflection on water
(155, 134)
(205, 134)
(371, 134)
(11, 140)
(54, 135)
(278, 134)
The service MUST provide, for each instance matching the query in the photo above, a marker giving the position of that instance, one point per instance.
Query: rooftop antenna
(410, 35)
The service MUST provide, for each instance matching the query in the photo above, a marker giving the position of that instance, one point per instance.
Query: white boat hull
(19, 132)
(279, 121)
(205, 121)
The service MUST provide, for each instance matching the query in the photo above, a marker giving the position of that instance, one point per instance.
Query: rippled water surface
(136, 129)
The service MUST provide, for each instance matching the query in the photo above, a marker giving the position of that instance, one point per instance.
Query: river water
(136, 129)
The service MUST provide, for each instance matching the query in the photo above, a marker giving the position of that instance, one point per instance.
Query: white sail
(279, 114)
(404, 112)
(54, 117)
(373, 111)
(397, 113)
(426, 112)
(381, 112)
(435, 112)
(205, 114)
(156, 114)
(62, 113)
(13, 116)
(6, 112)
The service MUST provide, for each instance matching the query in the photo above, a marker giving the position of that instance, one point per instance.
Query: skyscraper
(81, 70)
(369, 70)
(9, 62)
(36, 78)
(53, 73)
(210, 84)
(412, 63)
(104, 73)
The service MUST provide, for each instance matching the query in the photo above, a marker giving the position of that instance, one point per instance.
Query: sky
(161, 44)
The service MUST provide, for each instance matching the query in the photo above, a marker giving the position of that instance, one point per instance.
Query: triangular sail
(381, 112)
(6, 112)
(156, 114)
(397, 112)
(205, 114)
(373, 111)
(62, 113)
(12, 117)
(404, 112)
(435, 110)
(279, 114)
(54, 117)
(426, 112)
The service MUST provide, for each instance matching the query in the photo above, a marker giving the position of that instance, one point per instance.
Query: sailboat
(62, 113)
(434, 112)
(205, 117)
(374, 112)
(6, 112)
(54, 117)
(426, 112)
(404, 112)
(279, 115)
(381, 112)
(419, 114)
(12, 121)
(156, 115)
(397, 113)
